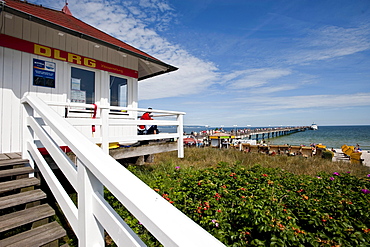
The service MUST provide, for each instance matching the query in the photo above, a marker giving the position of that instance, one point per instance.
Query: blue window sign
(43, 73)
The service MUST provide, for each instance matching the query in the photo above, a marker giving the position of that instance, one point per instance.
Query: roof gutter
(36, 19)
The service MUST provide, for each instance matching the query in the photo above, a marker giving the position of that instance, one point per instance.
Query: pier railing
(94, 170)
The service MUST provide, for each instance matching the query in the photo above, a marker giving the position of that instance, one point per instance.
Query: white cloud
(193, 76)
(331, 42)
(308, 101)
(253, 77)
(273, 89)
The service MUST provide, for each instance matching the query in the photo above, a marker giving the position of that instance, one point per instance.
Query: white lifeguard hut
(73, 67)
(65, 85)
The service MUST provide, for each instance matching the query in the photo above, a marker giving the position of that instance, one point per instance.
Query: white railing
(95, 169)
(108, 117)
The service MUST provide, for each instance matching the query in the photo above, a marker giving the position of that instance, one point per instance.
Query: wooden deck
(10, 156)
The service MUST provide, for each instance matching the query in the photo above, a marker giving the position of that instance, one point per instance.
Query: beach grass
(253, 199)
(200, 159)
(210, 157)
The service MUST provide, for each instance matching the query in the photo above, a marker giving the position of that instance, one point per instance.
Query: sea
(330, 136)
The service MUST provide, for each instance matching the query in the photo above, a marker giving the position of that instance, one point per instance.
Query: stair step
(17, 184)
(6, 156)
(21, 198)
(20, 218)
(9, 162)
(36, 237)
(15, 171)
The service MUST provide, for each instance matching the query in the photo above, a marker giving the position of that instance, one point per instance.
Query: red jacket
(145, 116)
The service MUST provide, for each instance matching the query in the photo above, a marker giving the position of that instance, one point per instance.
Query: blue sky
(247, 62)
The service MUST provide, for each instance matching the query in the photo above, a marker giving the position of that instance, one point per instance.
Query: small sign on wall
(43, 73)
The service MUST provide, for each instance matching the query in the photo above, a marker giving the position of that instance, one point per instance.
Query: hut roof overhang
(148, 66)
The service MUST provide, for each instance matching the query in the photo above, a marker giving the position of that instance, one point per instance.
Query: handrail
(104, 120)
(72, 104)
(96, 169)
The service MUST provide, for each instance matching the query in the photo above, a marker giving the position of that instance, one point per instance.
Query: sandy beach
(338, 155)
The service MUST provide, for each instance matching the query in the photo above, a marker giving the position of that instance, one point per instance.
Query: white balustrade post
(27, 135)
(90, 232)
(180, 131)
(104, 128)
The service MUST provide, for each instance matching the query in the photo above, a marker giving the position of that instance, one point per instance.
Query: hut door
(82, 86)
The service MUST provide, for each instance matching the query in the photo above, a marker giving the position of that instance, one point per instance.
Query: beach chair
(306, 151)
(348, 150)
(295, 150)
(254, 148)
(245, 147)
(355, 158)
(274, 148)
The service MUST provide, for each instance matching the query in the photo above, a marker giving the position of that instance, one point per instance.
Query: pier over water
(255, 134)
(266, 133)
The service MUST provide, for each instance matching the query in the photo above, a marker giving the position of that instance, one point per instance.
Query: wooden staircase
(24, 217)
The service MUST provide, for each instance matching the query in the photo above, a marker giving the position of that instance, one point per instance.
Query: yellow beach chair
(355, 158)
(348, 150)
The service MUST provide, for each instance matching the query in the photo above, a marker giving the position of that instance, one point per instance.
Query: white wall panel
(49, 33)
(17, 32)
(42, 35)
(26, 30)
(1, 95)
(59, 40)
(16, 119)
(2, 22)
(9, 24)
(104, 53)
(26, 78)
(34, 32)
(7, 101)
(97, 52)
(83, 47)
(72, 44)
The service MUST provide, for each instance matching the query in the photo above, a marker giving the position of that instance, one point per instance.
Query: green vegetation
(246, 199)
(327, 155)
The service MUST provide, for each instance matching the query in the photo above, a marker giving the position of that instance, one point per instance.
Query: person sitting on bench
(152, 129)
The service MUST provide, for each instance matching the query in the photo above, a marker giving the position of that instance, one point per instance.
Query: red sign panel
(46, 51)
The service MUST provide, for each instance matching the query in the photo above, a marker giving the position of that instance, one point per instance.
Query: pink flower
(331, 178)
(177, 168)
(215, 222)
(368, 175)
(336, 174)
(365, 191)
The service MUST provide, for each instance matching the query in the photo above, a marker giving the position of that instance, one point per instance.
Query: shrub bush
(263, 206)
(327, 155)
